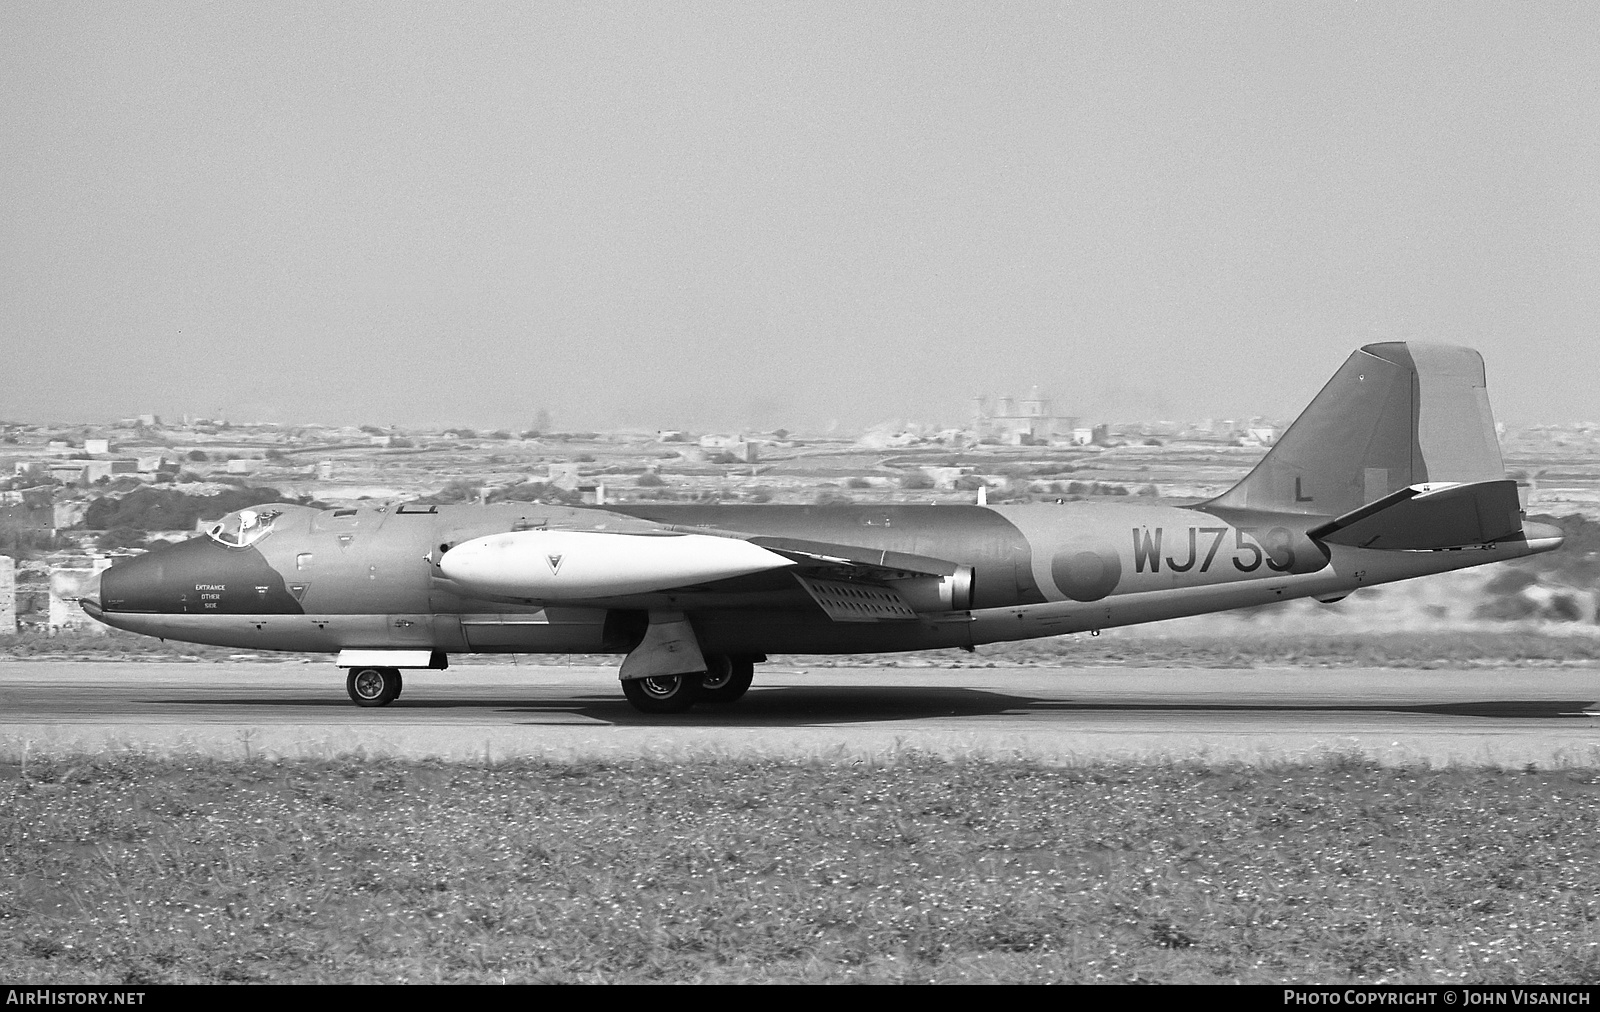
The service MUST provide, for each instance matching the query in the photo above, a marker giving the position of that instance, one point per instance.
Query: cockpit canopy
(244, 527)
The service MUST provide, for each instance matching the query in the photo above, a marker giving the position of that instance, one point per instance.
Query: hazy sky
(784, 214)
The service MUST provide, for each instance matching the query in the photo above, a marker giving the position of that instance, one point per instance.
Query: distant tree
(528, 491)
(780, 433)
(400, 443)
(858, 482)
(916, 480)
(584, 458)
(760, 494)
(459, 490)
(832, 497)
(649, 480)
(197, 455)
(161, 509)
(120, 537)
(496, 434)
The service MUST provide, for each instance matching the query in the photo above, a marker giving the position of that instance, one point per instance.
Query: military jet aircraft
(1392, 472)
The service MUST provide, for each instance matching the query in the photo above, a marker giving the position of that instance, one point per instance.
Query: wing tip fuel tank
(574, 565)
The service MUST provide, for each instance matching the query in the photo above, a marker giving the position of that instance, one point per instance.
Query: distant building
(563, 476)
(94, 470)
(735, 446)
(1094, 435)
(69, 472)
(66, 584)
(96, 446)
(8, 596)
(1029, 420)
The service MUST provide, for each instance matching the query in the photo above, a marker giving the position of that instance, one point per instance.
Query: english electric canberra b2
(1392, 472)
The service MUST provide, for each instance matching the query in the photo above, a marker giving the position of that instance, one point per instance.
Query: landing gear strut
(373, 686)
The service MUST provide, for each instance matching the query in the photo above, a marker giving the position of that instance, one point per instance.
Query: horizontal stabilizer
(1439, 515)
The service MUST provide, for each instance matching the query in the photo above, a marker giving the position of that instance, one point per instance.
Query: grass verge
(911, 869)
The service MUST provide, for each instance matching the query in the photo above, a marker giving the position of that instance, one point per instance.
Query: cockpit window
(245, 527)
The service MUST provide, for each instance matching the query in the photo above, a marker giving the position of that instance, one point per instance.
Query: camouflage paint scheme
(1393, 472)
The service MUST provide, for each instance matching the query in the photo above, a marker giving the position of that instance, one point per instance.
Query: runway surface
(1503, 717)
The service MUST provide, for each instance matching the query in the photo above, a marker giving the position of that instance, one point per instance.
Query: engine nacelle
(938, 593)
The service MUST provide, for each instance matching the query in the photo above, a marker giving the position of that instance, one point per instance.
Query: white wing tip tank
(574, 565)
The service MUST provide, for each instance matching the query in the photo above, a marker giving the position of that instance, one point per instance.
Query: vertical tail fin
(1394, 415)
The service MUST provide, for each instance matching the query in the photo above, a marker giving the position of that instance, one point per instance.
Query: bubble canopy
(243, 527)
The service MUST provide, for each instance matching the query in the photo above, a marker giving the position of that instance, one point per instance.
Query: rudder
(1394, 415)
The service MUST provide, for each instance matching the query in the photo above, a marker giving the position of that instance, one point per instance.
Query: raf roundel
(1086, 571)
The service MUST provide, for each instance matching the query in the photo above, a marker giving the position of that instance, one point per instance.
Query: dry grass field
(908, 869)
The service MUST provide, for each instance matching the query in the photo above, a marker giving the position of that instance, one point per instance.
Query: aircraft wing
(854, 584)
(849, 583)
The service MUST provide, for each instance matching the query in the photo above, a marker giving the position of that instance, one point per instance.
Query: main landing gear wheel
(662, 693)
(373, 686)
(726, 678)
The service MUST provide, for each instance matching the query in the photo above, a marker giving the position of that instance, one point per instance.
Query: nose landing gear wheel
(726, 678)
(373, 686)
(662, 693)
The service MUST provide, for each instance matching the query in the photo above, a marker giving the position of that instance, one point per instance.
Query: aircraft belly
(552, 630)
(754, 632)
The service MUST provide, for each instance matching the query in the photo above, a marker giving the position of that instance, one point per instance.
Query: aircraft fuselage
(371, 578)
